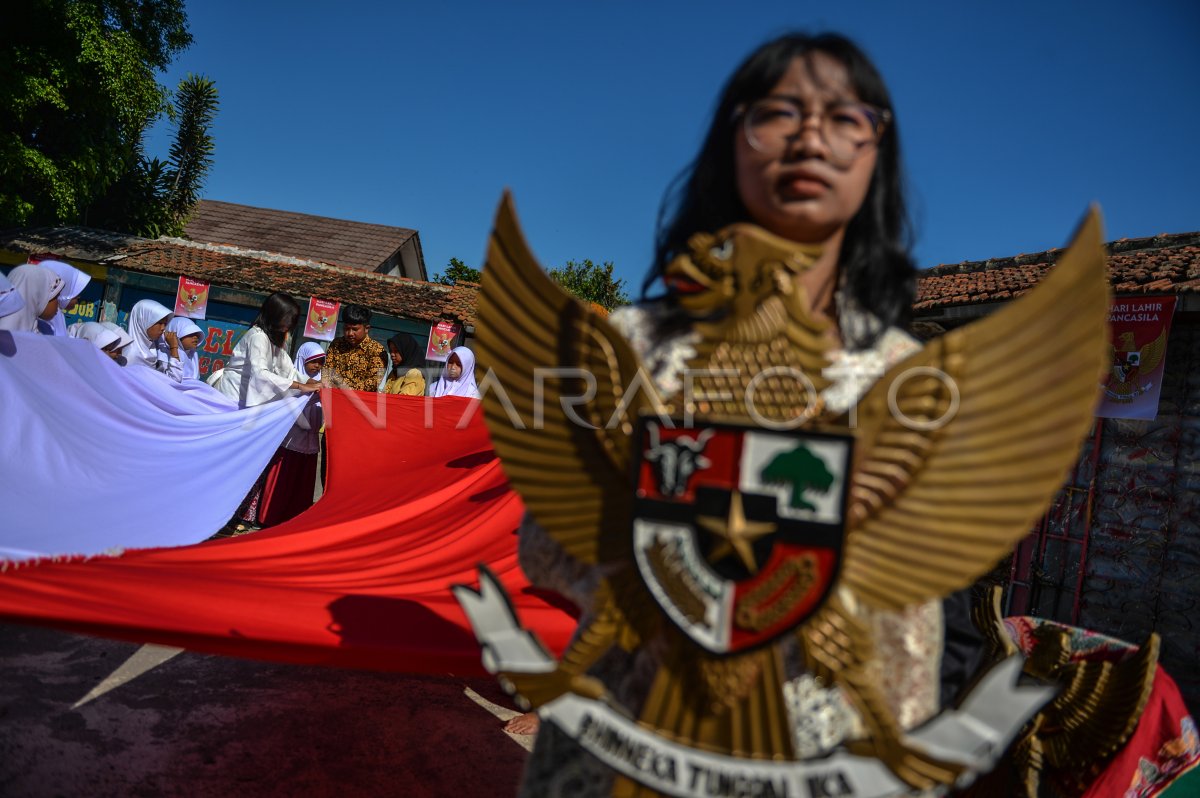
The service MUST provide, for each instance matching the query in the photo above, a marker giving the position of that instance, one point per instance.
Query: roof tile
(1162, 264)
(356, 245)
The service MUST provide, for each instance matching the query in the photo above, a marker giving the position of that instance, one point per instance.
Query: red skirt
(291, 478)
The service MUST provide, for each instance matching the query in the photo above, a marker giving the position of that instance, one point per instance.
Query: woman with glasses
(804, 143)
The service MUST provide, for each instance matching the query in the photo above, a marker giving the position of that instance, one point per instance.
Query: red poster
(321, 322)
(191, 298)
(1139, 328)
(441, 340)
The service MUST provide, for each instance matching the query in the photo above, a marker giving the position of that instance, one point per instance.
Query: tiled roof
(335, 241)
(262, 272)
(72, 243)
(1165, 264)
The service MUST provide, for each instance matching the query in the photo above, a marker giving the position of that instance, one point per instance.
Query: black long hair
(877, 270)
(278, 310)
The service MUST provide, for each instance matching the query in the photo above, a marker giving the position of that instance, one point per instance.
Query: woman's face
(50, 309)
(190, 342)
(453, 367)
(396, 356)
(156, 329)
(278, 331)
(798, 192)
(113, 350)
(313, 367)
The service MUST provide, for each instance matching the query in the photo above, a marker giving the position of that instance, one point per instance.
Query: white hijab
(37, 286)
(74, 281)
(465, 384)
(183, 327)
(142, 316)
(308, 350)
(93, 331)
(10, 297)
(125, 338)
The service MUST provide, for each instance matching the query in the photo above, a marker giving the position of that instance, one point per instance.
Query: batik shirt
(358, 368)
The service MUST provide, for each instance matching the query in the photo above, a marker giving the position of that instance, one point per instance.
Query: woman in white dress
(261, 371)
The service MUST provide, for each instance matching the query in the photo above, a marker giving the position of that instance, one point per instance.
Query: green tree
(155, 197)
(592, 282)
(78, 91)
(457, 271)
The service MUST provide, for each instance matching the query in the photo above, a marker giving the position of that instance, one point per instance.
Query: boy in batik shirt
(355, 361)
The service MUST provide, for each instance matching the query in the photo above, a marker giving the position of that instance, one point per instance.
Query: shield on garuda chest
(738, 530)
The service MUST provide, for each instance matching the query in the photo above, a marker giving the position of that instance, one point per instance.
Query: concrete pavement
(200, 725)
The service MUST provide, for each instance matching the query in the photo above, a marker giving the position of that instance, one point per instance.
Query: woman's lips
(802, 185)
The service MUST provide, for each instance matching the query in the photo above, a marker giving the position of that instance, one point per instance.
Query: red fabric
(288, 491)
(1163, 747)
(362, 579)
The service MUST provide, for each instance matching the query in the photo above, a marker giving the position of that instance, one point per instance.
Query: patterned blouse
(358, 367)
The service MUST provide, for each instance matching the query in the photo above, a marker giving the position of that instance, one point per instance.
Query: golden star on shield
(736, 533)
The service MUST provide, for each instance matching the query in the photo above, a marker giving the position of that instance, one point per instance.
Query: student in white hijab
(122, 333)
(74, 281)
(300, 445)
(189, 336)
(458, 377)
(106, 340)
(309, 359)
(148, 325)
(39, 288)
(10, 297)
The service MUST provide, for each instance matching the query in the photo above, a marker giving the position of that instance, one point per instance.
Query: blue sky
(1014, 116)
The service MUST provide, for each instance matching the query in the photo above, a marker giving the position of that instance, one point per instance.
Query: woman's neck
(820, 282)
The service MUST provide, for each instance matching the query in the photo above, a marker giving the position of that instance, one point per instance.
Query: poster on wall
(1138, 330)
(321, 321)
(191, 298)
(217, 346)
(441, 340)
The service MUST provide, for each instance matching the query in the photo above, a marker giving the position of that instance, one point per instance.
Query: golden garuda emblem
(741, 511)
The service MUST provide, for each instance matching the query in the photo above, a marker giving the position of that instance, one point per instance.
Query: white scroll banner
(975, 734)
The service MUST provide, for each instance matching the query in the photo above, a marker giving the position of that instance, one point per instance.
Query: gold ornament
(956, 452)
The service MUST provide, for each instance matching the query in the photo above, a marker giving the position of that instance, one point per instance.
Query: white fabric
(10, 297)
(74, 281)
(307, 351)
(465, 384)
(189, 360)
(95, 332)
(138, 461)
(258, 371)
(37, 286)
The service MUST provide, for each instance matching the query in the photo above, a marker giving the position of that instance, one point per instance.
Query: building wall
(1120, 550)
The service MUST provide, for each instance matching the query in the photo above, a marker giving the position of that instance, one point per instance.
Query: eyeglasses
(846, 127)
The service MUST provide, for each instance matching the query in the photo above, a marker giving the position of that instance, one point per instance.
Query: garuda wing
(565, 390)
(963, 445)
(1152, 353)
